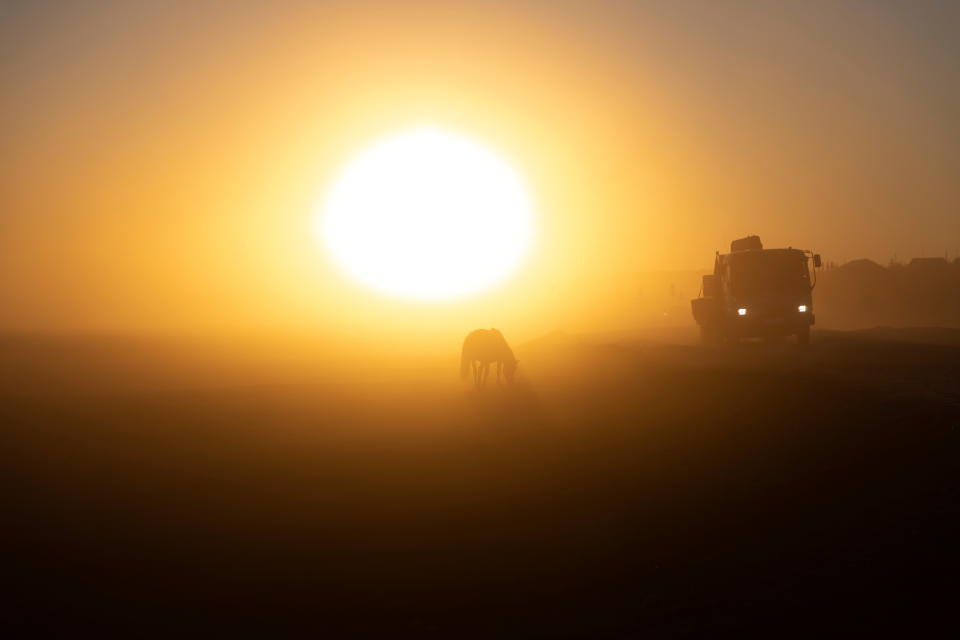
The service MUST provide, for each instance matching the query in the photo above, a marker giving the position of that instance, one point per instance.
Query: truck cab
(757, 293)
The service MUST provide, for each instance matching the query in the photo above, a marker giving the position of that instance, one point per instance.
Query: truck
(757, 293)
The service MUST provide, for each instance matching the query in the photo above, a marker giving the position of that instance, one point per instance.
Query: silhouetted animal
(480, 349)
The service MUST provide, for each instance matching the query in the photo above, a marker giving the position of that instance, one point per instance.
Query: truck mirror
(816, 260)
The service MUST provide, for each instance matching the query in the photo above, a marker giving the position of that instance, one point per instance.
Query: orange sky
(163, 164)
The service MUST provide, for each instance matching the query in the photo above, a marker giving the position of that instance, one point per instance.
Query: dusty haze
(205, 424)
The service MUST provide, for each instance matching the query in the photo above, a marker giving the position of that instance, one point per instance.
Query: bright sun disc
(429, 215)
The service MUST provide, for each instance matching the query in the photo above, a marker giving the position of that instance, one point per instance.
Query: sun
(429, 215)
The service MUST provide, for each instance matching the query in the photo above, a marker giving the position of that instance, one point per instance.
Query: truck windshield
(761, 272)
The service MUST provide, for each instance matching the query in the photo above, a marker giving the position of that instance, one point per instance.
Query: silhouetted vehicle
(481, 348)
(756, 292)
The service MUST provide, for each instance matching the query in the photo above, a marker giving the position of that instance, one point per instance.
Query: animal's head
(510, 369)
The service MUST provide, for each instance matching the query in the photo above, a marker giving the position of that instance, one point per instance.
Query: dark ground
(622, 486)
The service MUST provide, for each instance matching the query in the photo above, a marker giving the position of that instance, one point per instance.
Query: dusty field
(625, 484)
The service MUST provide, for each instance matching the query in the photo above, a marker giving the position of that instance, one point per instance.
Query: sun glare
(429, 215)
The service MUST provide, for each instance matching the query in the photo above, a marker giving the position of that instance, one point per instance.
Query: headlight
(742, 311)
(802, 308)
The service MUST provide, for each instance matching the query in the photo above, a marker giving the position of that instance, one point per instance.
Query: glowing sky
(161, 159)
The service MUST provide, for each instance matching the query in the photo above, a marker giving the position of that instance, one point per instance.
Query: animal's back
(474, 336)
(476, 343)
(484, 341)
(481, 344)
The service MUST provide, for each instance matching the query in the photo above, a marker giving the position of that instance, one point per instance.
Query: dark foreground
(616, 489)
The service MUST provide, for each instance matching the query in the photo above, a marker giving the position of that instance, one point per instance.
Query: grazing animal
(481, 348)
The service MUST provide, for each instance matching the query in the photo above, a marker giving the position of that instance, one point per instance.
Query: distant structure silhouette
(483, 347)
(861, 294)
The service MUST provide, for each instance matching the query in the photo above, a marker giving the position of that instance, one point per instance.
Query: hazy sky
(164, 159)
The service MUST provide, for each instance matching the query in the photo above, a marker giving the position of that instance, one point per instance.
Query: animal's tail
(464, 363)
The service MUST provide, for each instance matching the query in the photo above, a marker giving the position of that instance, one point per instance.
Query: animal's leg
(476, 372)
(499, 368)
(486, 372)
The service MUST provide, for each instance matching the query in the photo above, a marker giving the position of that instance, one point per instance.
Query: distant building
(862, 294)
(929, 264)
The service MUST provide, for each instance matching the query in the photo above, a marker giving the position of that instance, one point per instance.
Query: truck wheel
(803, 336)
